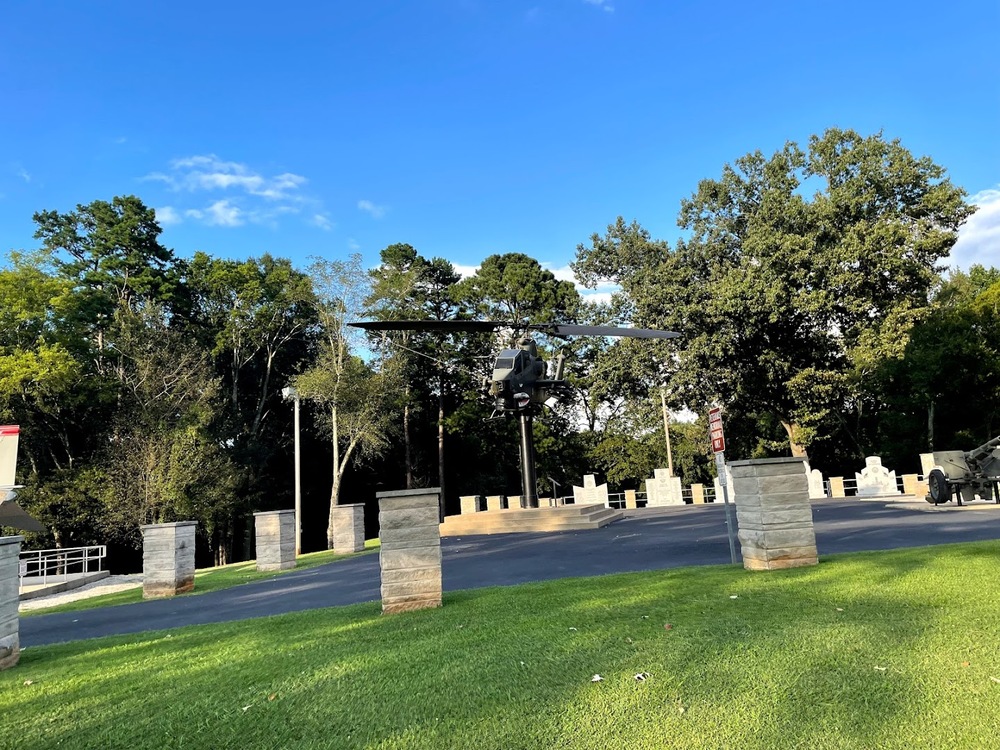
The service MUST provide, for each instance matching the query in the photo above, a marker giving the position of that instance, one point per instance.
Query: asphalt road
(644, 540)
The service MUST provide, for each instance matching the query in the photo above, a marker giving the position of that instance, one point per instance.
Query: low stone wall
(410, 554)
(274, 533)
(472, 503)
(167, 559)
(773, 513)
(10, 623)
(496, 502)
(348, 528)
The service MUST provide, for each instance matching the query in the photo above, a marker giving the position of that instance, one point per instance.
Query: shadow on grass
(846, 654)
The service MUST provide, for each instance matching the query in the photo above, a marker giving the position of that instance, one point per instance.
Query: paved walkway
(644, 540)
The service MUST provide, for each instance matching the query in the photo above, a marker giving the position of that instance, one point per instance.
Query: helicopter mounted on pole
(519, 385)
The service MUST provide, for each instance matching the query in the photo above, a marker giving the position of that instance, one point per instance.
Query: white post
(298, 483)
(291, 393)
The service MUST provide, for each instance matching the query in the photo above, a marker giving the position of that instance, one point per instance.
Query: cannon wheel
(937, 483)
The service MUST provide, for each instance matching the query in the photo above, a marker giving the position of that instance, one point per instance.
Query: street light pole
(291, 393)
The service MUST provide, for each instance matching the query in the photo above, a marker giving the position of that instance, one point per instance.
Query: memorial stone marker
(591, 492)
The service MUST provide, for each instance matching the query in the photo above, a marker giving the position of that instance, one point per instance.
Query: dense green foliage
(885, 649)
(789, 303)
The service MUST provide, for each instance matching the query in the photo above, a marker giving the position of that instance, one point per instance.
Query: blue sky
(466, 127)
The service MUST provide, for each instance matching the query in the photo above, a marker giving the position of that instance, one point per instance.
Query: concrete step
(564, 518)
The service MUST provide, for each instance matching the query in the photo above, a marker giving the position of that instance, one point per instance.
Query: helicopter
(518, 385)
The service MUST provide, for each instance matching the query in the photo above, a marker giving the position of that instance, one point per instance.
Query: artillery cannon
(965, 474)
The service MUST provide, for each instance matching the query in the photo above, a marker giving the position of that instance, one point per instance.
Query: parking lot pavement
(648, 539)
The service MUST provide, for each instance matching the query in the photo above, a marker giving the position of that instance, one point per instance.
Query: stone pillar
(496, 502)
(471, 503)
(513, 502)
(773, 513)
(837, 487)
(697, 494)
(630, 501)
(274, 532)
(167, 559)
(348, 528)
(410, 554)
(10, 624)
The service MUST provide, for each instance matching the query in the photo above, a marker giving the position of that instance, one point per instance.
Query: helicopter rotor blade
(468, 326)
(558, 329)
(485, 326)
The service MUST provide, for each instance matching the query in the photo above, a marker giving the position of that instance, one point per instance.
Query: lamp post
(289, 393)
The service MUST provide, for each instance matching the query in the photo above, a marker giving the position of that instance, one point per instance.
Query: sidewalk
(107, 584)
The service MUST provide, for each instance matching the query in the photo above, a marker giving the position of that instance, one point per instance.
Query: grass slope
(205, 580)
(875, 650)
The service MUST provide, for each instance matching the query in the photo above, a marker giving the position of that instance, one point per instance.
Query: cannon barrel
(977, 455)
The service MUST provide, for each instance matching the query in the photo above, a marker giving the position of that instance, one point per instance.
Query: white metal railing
(51, 565)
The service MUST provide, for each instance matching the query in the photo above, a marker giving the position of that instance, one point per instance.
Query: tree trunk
(930, 426)
(798, 449)
(335, 492)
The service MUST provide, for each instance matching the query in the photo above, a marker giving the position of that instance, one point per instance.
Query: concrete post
(630, 501)
(697, 494)
(514, 502)
(410, 554)
(471, 503)
(496, 502)
(348, 528)
(167, 559)
(274, 531)
(774, 514)
(837, 487)
(10, 624)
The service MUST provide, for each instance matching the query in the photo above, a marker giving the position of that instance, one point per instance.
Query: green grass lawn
(875, 650)
(208, 579)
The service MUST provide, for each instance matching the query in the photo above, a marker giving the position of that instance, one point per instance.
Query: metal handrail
(61, 563)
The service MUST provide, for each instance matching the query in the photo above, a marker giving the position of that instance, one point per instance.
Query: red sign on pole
(715, 430)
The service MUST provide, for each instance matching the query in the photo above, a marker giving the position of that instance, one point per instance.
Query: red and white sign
(715, 430)
(8, 453)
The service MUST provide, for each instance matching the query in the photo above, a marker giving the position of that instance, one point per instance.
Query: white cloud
(210, 173)
(322, 221)
(979, 237)
(376, 212)
(602, 293)
(23, 174)
(604, 5)
(167, 216)
(224, 214)
(352, 244)
(242, 194)
(465, 271)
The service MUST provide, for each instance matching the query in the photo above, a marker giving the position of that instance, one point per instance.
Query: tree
(257, 318)
(784, 302)
(162, 462)
(112, 253)
(356, 400)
